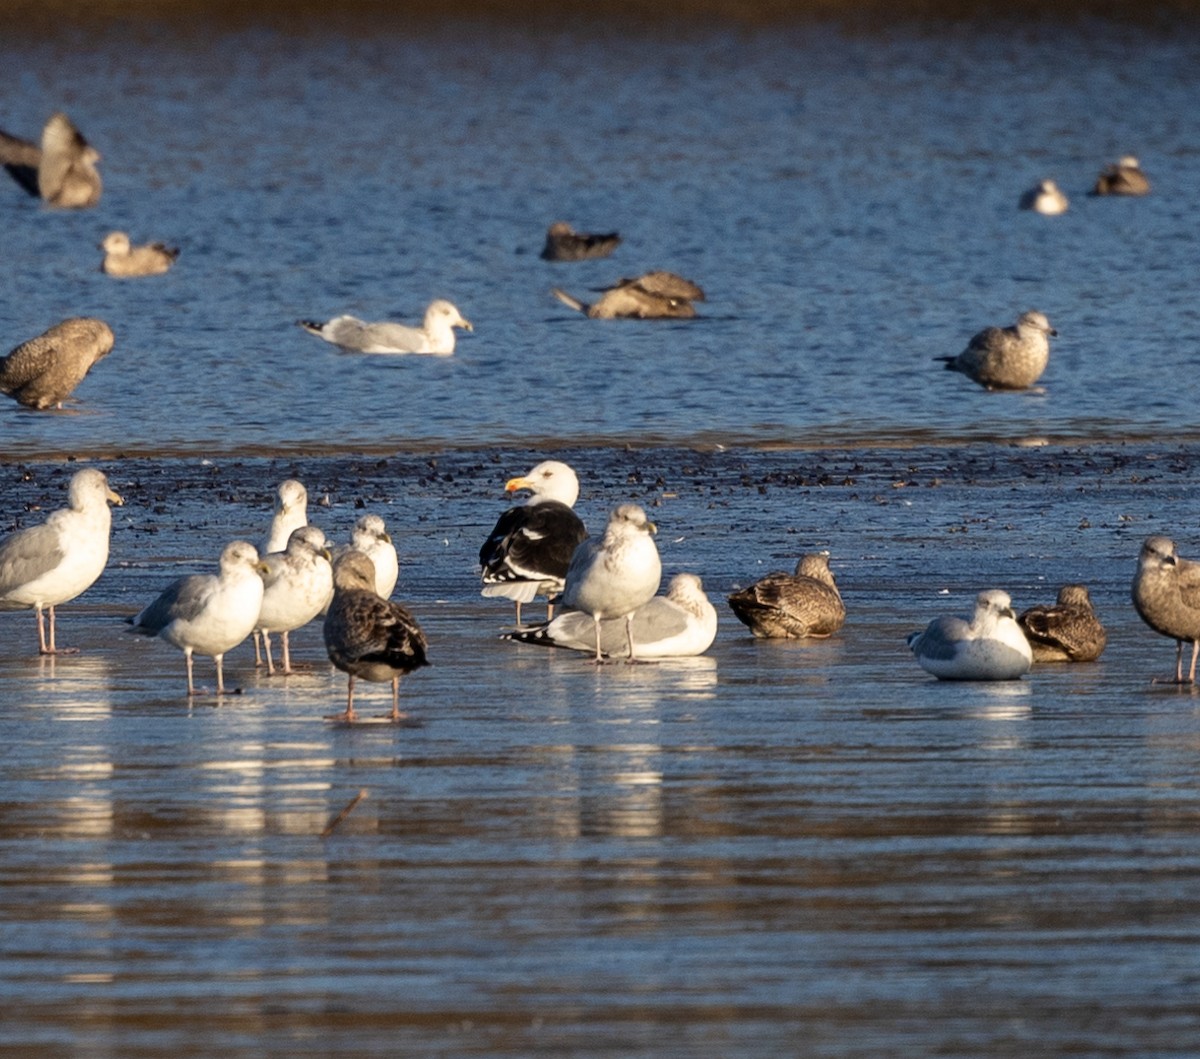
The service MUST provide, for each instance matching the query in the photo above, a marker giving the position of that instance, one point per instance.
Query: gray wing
(579, 566)
(28, 554)
(181, 599)
(21, 158)
(653, 622)
(393, 336)
(941, 638)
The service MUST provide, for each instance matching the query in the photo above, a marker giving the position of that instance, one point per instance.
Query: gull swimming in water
(563, 243)
(1166, 595)
(435, 336)
(988, 646)
(650, 296)
(1007, 358)
(209, 614)
(44, 566)
(1066, 631)
(367, 636)
(43, 372)
(62, 171)
(1046, 198)
(530, 547)
(1123, 178)
(610, 577)
(296, 587)
(804, 604)
(123, 260)
(680, 624)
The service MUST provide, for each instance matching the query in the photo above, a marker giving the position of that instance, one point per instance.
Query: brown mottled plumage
(794, 606)
(652, 295)
(1006, 358)
(1068, 631)
(1125, 177)
(42, 372)
(1166, 595)
(368, 636)
(123, 260)
(563, 243)
(62, 171)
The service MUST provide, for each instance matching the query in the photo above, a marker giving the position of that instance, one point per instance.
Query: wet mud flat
(778, 847)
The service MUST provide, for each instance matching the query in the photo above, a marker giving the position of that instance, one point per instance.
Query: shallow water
(846, 200)
(775, 849)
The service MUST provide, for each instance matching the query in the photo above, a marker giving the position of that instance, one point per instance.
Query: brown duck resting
(1067, 631)
(563, 243)
(792, 606)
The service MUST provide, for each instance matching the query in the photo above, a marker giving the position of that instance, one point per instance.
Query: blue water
(846, 200)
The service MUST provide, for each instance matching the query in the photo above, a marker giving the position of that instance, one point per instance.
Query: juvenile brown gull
(43, 372)
(988, 646)
(530, 547)
(1007, 358)
(1046, 198)
(209, 614)
(679, 624)
(62, 171)
(436, 335)
(123, 260)
(612, 576)
(563, 243)
(1067, 631)
(795, 606)
(1166, 595)
(652, 295)
(1123, 178)
(296, 587)
(47, 565)
(367, 636)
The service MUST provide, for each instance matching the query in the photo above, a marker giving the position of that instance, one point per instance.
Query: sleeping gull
(1046, 198)
(563, 243)
(296, 587)
(121, 259)
(989, 646)
(1166, 595)
(436, 335)
(530, 547)
(678, 625)
(43, 566)
(1067, 631)
(62, 171)
(794, 606)
(613, 576)
(1007, 358)
(367, 636)
(209, 613)
(1123, 178)
(652, 295)
(43, 372)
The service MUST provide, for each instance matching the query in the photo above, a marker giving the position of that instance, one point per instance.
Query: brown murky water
(774, 849)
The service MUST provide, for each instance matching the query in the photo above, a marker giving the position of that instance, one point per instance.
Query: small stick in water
(344, 813)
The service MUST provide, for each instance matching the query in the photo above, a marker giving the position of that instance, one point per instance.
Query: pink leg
(1195, 650)
(187, 654)
(266, 640)
(219, 659)
(287, 655)
(43, 649)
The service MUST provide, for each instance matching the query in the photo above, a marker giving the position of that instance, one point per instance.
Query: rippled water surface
(775, 849)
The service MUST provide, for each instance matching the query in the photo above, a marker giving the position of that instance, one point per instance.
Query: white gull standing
(291, 512)
(435, 335)
(680, 624)
(530, 547)
(988, 646)
(47, 565)
(296, 586)
(370, 536)
(612, 576)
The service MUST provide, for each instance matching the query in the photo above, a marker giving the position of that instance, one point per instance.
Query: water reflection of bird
(1045, 198)
(1067, 631)
(652, 295)
(296, 587)
(529, 549)
(43, 372)
(209, 614)
(799, 605)
(1006, 358)
(563, 243)
(435, 335)
(680, 624)
(62, 171)
(988, 646)
(1166, 595)
(367, 636)
(611, 576)
(123, 260)
(44, 566)
(1125, 177)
